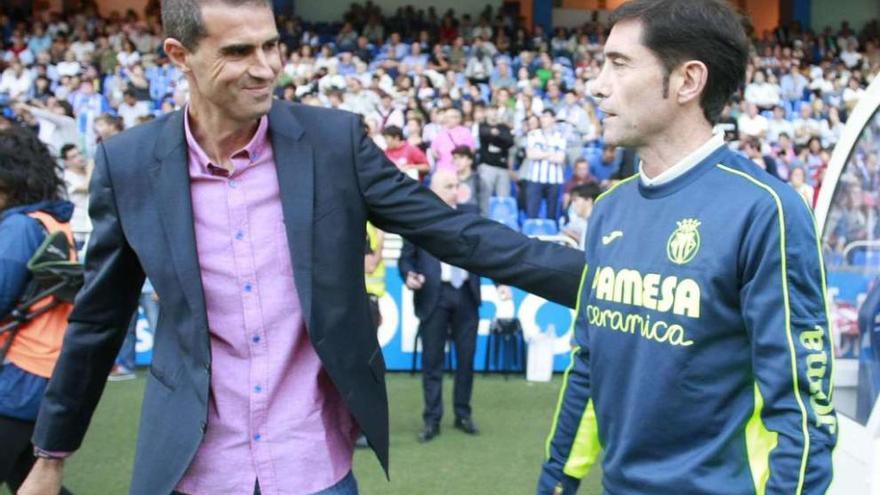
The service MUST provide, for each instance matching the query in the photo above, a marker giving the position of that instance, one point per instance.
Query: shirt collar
(685, 164)
(251, 151)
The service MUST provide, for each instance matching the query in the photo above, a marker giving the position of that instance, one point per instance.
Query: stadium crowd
(506, 108)
(509, 110)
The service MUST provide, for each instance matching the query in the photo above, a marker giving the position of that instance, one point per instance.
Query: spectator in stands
(472, 190)
(387, 113)
(452, 135)
(751, 147)
(806, 126)
(751, 123)
(108, 125)
(579, 177)
(762, 93)
(55, 120)
(138, 82)
(728, 124)
(614, 163)
(131, 110)
(815, 159)
(778, 124)
(16, 80)
(76, 181)
(797, 179)
(579, 210)
(128, 56)
(496, 142)
(852, 94)
(793, 84)
(545, 150)
(408, 158)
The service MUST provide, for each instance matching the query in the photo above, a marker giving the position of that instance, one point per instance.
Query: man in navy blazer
(331, 180)
(447, 302)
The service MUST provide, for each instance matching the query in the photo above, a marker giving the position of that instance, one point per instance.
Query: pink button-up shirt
(446, 141)
(273, 413)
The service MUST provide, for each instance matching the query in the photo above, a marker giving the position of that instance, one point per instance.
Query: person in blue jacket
(30, 188)
(702, 360)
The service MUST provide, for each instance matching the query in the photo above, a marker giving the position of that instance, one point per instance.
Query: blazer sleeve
(97, 325)
(401, 205)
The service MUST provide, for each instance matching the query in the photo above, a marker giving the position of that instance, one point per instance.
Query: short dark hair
(463, 150)
(590, 190)
(710, 31)
(65, 149)
(393, 131)
(28, 172)
(112, 120)
(182, 19)
(67, 107)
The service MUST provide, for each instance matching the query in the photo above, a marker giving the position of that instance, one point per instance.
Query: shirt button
(248, 287)
(233, 184)
(258, 389)
(239, 235)
(256, 339)
(207, 368)
(203, 426)
(257, 437)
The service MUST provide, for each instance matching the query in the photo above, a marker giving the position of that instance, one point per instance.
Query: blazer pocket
(377, 365)
(162, 377)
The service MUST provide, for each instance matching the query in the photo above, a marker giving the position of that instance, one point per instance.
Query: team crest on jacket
(684, 242)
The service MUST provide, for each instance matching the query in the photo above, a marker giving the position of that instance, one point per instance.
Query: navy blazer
(333, 179)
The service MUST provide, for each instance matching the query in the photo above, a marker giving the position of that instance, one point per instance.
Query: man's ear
(177, 53)
(693, 76)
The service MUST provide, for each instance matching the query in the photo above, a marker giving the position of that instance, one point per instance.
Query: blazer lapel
(170, 177)
(295, 163)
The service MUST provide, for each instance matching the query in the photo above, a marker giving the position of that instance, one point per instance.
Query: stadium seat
(540, 226)
(865, 257)
(504, 210)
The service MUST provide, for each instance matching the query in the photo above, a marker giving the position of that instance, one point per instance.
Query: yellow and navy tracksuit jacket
(703, 358)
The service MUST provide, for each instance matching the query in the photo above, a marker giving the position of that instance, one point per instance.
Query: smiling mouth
(259, 89)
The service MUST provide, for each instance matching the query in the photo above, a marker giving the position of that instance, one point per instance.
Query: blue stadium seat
(504, 210)
(864, 257)
(540, 226)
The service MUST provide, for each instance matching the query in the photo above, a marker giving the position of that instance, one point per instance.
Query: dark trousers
(456, 312)
(535, 192)
(16, 453)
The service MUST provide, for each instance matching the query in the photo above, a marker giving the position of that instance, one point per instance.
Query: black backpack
(52, 274)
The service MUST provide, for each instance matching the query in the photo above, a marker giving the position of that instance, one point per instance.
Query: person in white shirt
(545, 150)
(131, 110)
(762, 93)
(752, 123)
(70, 66)
(850, 55)
(852, 93)
(805, 126)
(15, 81)
(76, 179)
(778, 125)
(82, 47)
